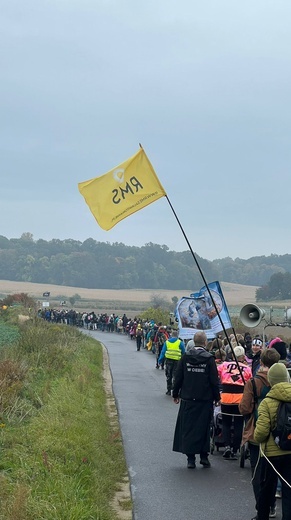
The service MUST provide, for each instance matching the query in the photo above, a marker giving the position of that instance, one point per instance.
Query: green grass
(8, 334)
(61, 455)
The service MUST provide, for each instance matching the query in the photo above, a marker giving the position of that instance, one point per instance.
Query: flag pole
(206, 284)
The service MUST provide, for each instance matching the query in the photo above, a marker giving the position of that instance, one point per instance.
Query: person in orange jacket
(233, 376)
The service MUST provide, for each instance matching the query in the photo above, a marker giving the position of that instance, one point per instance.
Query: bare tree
(159, 302)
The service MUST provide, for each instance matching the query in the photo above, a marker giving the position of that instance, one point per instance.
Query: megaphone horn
(251, 315)
(287, 315)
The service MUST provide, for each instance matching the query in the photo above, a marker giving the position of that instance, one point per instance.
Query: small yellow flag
(122, 191)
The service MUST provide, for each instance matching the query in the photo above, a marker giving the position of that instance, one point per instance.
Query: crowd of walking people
(229, 391)
(245, 380)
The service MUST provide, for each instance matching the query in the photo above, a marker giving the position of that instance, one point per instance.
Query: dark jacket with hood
(196, 383)
(196, 376)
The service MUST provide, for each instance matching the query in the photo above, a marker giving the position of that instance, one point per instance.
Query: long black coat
(196, 383)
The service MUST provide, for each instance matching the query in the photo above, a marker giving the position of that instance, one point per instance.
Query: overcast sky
(203, 85)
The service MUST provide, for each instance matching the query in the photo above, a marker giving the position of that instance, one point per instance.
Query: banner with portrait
(197, 312)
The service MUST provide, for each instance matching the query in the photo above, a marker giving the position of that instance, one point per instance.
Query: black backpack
(282, 430)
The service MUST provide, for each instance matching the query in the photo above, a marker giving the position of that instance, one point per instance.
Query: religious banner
(197, 312)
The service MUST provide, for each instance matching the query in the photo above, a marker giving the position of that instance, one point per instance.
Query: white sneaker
(227, 452)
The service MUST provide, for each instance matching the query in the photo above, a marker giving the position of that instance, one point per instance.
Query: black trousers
(138, 342)
(171, 367)
(192, 456)
(256, 467)
(268, 480)
(232, 425)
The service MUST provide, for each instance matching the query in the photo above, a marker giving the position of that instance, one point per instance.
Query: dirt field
(234, 294)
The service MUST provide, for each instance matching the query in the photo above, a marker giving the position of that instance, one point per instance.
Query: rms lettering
(132, 186)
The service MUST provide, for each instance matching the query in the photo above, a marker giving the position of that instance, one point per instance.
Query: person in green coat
(276, 462)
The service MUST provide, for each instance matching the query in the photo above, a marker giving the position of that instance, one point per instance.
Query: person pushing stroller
(233, 375)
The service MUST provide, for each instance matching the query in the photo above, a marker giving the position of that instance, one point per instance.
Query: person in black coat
(257, 347)
(196, 388)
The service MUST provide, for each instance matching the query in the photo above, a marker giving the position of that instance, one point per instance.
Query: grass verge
(61, 453)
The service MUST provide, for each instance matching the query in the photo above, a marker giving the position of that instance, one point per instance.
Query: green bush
(158, 315)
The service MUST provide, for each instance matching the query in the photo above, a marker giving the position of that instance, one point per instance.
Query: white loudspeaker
(287, 315)
(251, 315)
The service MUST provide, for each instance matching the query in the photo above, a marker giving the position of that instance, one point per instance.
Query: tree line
(278, 288)
(101, 265)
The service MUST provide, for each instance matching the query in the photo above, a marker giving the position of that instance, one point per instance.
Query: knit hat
(278, 374)
(273, 341)
(239, 351)
(280, 346)
(258, 342)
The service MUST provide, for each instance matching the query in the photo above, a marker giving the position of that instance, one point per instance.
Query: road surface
(161, 485)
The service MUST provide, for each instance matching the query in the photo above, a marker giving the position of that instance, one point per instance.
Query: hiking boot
(272, 513)
(204, 461)
(191, 464)
(168, 392)
(227, 452)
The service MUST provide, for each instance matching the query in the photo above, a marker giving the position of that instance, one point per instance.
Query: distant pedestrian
(172, 352)
(138, 337)
(160, 337)
(257, 348)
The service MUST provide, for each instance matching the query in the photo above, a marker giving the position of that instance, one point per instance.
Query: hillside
(234, 294)
(116, 266)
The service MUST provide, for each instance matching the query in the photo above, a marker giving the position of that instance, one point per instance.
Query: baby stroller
(216, 433)
(216, 436)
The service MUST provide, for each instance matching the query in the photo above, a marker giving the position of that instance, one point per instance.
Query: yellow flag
(122, 191)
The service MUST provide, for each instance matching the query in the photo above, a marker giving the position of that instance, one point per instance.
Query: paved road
(162, 487)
